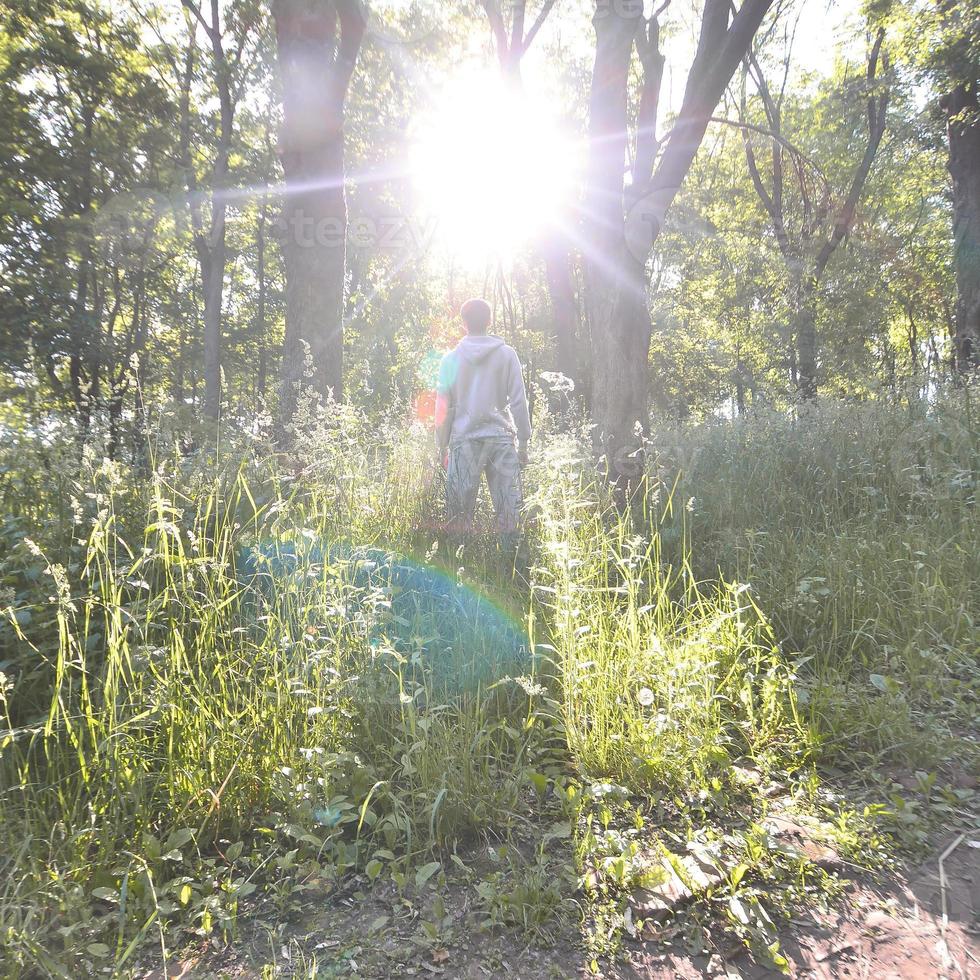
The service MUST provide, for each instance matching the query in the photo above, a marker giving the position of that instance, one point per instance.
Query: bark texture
(318, 43)
(962, 107)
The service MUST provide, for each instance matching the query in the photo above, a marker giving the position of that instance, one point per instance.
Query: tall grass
(857, 526)
(665, 680)
(205, 693)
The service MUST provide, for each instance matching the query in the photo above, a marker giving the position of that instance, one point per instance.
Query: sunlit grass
(188, 723)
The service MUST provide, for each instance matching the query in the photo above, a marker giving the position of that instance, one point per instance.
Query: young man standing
(482, 422)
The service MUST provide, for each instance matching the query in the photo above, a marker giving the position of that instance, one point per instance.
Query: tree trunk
(81, 335)
(318, 42)
(624, 228)
(805, 332)
(621, 371)
(260, 324)
(212, 279)
(564, 309)
(806, 272)
(210, 244)
(962, 107)
(618, 318)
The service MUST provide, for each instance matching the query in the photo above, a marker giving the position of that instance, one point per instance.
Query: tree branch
(353, 24)
(876, 129)
(517, 28)
(719, 52)
(499, 30)
(652, 61)
(196, 11)
(538, 23)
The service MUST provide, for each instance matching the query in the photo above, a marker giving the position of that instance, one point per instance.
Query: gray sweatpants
(468, 461)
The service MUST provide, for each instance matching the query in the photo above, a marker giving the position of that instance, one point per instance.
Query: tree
(83, 126)
(624, 222)
(958, 62)
(318, 43)
(807, 251)
(511, 46)
(210, 234)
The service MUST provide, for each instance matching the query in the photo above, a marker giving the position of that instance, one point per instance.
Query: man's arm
(445, 408)
(517, 400)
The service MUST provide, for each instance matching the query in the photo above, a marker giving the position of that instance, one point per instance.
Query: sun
(492, 168)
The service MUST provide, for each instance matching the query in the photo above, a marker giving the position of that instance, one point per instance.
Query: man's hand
(522, 456)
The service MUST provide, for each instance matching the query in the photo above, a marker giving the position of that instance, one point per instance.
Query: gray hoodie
(480, 392)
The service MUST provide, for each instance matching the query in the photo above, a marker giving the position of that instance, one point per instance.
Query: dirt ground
(895, 930)
(917, 926)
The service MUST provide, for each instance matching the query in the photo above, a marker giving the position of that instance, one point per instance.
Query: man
(481, 409)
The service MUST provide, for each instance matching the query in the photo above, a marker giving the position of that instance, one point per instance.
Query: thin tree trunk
(805, 332)
(564, 309)
(805, 270)
(212, 280)
(79, 334)
(962, 107)
(211, 243)
(260, 324)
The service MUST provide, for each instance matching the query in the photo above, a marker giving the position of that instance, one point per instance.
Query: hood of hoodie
(479, 348)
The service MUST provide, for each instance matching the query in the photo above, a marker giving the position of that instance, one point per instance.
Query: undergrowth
(231, 676)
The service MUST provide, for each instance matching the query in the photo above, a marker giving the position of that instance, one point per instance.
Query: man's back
(481, 392)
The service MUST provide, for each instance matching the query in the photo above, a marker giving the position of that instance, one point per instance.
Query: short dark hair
(476, 315)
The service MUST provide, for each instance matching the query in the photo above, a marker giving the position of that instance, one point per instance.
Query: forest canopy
(154, 201)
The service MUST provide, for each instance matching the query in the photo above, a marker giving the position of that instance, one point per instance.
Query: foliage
(185, 743)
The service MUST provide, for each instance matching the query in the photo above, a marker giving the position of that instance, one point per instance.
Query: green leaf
(178, 839)
(539, 781)
(426, 872)
(373, 869)
(738, 873)
(887, 685)
(378, 924)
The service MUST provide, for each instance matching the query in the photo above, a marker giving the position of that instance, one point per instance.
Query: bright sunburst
(492, 168)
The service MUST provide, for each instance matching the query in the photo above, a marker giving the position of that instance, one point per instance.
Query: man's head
(476, 316)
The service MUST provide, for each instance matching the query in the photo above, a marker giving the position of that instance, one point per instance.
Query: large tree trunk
(623, 228)
(318, 42)
(962, 107)
(315, 259)
(620, 345)
(621, 369)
